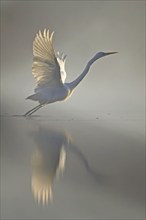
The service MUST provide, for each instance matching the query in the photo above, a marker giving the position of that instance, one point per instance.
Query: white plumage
(46, 66)
(48, 69)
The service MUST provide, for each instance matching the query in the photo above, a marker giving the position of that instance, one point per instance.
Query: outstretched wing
(45, 68)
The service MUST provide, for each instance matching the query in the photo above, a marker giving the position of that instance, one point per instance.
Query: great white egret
(48, 69)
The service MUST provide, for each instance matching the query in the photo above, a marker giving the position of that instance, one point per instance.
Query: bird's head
(102, 54)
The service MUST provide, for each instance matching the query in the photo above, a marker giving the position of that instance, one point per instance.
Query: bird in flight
(48, 69)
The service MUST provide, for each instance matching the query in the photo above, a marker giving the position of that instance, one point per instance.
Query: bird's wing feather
(45, 68)
(61, 58)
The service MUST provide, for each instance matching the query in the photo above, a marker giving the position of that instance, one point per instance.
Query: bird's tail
(33, 97)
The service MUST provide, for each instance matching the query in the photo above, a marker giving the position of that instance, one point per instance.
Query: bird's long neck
(73, 84)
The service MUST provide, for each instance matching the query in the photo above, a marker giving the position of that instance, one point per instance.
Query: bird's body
(50, 94)
(48, 69)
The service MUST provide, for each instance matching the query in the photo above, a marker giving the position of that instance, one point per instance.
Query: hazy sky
(115, 84)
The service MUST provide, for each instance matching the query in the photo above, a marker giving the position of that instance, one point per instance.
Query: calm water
(72, 168)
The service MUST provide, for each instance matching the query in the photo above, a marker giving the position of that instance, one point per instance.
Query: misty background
(100, 129)
(115, 84)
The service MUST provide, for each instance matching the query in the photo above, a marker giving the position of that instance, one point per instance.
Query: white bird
(48, 69)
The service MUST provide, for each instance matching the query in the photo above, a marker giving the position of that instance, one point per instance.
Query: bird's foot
(30, 115)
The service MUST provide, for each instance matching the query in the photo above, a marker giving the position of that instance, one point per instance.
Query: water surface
(72, 168)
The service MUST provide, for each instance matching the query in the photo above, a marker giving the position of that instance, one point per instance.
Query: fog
(115, 84)
(82, 158)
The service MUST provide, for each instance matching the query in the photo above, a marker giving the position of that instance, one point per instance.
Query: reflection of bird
(49, 71)
(43, 174)
(48, 162)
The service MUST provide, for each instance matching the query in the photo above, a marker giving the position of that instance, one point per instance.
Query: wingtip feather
(51, 36)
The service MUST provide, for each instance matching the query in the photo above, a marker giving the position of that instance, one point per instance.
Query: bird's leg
(30, 112)
(35, 110)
